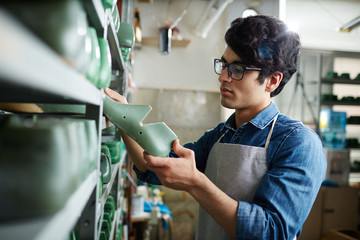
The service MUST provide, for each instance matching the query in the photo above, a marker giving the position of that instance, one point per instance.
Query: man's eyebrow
(236, 62)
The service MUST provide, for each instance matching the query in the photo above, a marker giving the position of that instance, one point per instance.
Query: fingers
(161, 162)
(115, 95)
(154, 162)
(109, 92)
(180, 150)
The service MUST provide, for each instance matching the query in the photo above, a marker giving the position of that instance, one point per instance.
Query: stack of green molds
(108, 217)
(95, 63)
(105, 164)
(36, 172)
(345, 76)
(105, 66)
(110, 207)
(108, 3)
(93, 151)
(331, 75)
(126, 38)
(62, 25)
(115, 149)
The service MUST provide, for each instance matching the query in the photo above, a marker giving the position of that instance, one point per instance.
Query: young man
(255, 176)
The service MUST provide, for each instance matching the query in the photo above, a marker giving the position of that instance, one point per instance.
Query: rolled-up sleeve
(147, 176)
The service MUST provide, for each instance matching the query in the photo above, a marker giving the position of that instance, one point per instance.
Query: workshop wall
(188, 67)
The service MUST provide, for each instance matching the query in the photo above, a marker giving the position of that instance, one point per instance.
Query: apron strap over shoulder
(270, 132)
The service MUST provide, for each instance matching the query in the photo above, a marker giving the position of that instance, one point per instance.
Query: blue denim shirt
(296, 165)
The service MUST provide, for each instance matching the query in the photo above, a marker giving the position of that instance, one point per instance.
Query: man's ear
(273, 81)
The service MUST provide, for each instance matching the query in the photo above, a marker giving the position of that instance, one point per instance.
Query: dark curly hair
(265, 42)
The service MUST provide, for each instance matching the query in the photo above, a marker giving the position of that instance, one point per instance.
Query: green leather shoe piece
(331, 75)
(106, 217)
(108, 3)
(345, 76)
(126, 35)
(155, 138)
(357, 77)
(103, 235)
(110, 207)
(105, 168)
(115, 150)
(95, 62)
(105, 67)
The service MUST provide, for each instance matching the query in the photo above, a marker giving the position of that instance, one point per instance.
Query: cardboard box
(343, 234)
(313, 224)
(334, 208)
(340, 208)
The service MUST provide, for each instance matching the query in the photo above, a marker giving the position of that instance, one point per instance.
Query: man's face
(243, 94)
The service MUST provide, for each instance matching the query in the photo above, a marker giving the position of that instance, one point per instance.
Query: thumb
(180, 150)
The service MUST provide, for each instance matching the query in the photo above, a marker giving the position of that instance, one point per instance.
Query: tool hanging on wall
(166, 32)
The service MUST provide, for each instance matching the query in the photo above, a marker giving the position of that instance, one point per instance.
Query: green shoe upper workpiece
(155, 138)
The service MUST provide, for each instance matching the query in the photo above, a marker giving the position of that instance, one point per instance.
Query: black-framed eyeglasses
(235, 70)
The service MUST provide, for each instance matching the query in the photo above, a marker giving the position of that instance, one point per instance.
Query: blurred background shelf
(343, 103)
(340, 81)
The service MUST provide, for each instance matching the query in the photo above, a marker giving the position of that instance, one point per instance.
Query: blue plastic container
(332, 125)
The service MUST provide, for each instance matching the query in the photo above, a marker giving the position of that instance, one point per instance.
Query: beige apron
(239, 177)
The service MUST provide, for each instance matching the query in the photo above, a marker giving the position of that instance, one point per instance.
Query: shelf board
(57, 226)
(117, 59)
(96, 14)
(340, 81)
(31, 72)
(105, 139)
(332, 103)
(353, 148)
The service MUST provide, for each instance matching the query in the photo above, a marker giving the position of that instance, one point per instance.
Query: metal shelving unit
(314, 65)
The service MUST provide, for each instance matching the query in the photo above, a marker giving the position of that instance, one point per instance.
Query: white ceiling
(318, 21)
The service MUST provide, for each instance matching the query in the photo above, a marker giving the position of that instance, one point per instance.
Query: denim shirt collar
(261, 120)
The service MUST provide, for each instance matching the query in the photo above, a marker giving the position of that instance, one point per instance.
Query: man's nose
(225, 76)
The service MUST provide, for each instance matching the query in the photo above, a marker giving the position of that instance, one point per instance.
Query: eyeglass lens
(235, 71)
